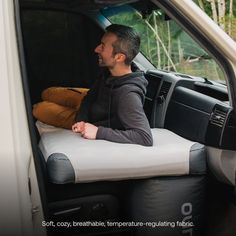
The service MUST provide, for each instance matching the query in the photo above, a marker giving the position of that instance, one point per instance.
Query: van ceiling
(84, 4)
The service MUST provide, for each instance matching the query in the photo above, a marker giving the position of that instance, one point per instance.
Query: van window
(166, 45)
(59, 46)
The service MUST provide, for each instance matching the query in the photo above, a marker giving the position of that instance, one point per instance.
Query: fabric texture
(115, 105)
(59, 106)
(96, 160)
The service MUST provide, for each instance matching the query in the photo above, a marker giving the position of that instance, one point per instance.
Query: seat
(103, 181)
(72, 159)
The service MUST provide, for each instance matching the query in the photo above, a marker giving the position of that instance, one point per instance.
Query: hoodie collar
(116, 80)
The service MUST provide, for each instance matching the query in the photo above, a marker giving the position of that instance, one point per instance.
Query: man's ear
(120, 57)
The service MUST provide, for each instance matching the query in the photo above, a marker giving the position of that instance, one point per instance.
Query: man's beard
(103, 64)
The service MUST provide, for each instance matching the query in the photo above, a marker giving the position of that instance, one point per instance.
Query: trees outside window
(166, 45)
(223, 12)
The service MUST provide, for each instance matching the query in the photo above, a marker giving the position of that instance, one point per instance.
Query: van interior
(191, 116)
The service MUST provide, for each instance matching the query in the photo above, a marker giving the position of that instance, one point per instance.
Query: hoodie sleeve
(131, 114)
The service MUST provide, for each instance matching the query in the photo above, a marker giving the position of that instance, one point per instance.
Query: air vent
(218, 117)
(165, 87)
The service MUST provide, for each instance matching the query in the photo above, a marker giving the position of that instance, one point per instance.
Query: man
(113, 108)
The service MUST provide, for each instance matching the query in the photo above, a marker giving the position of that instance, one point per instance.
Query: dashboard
(192, 107)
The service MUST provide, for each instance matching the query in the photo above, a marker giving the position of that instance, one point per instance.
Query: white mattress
(95, 160)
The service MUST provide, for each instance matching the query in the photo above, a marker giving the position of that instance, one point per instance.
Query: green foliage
(229, 21)
(167, 46)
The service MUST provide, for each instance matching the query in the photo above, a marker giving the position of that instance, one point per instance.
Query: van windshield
(166, 45)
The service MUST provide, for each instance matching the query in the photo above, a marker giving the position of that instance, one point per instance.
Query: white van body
(19, 210)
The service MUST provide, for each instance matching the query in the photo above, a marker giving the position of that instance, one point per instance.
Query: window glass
(166, 45)
(59, 48)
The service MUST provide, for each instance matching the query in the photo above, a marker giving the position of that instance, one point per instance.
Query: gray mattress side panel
(60, 169)
(197, 159)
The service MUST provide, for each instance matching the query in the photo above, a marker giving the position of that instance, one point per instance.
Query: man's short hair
(128, 41)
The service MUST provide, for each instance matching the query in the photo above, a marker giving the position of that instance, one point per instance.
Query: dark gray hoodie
(115, 105)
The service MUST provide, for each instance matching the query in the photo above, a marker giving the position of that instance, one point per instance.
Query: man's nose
(98, 48)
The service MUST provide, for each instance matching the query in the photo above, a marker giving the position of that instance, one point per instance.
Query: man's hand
(87, 130)
(78, 127)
